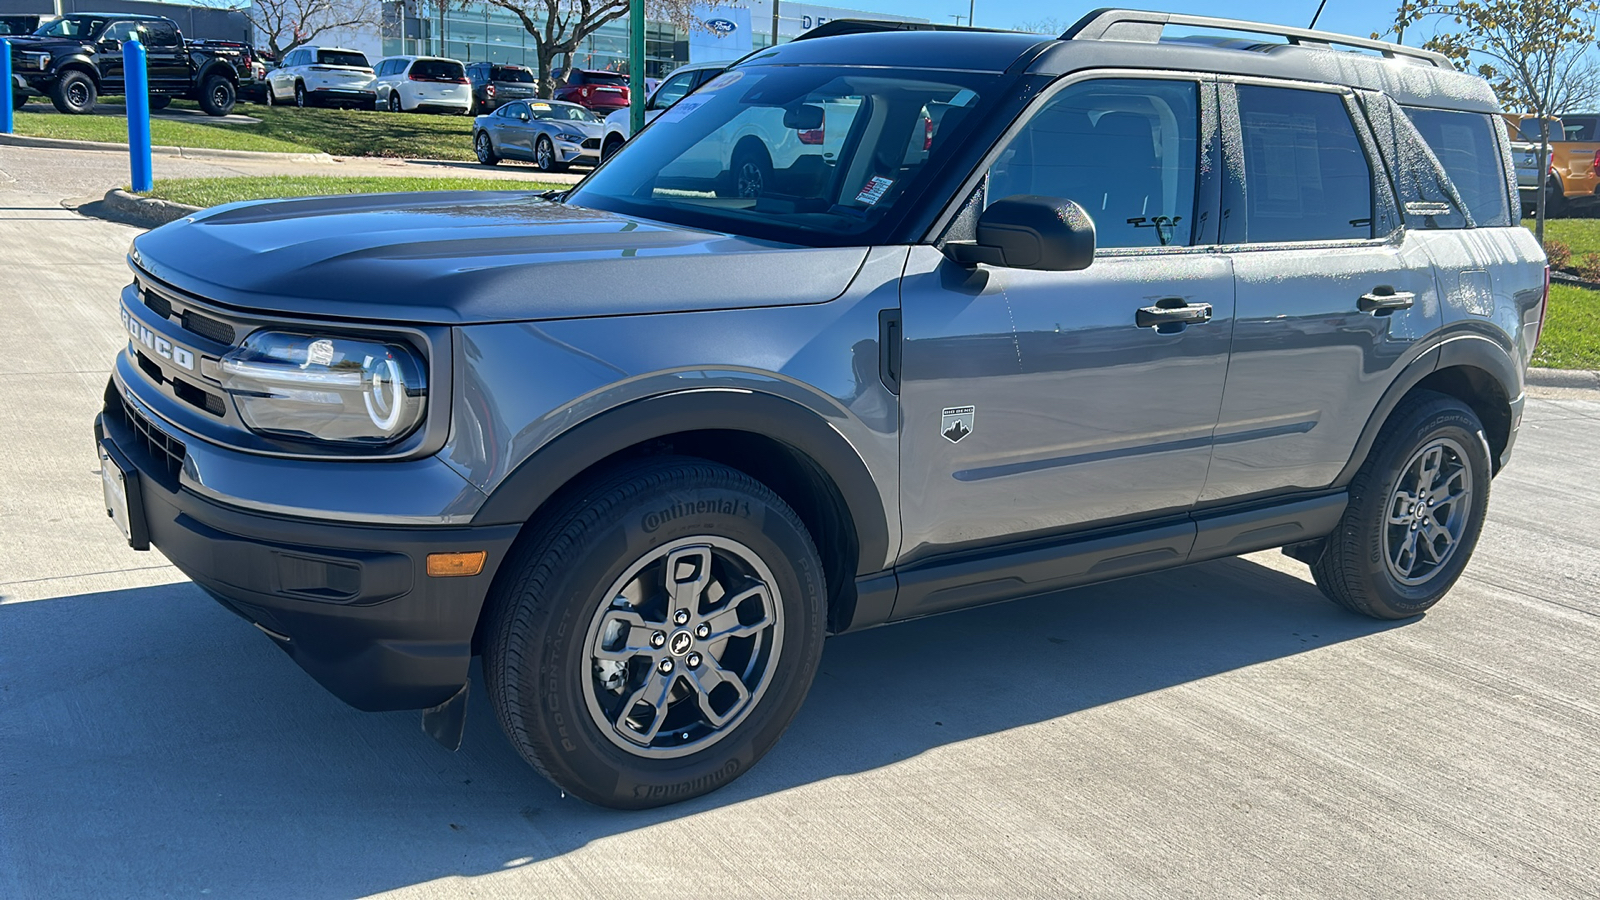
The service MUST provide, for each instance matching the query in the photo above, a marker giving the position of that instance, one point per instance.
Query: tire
(1555, 204)
(160, 101)
(17, 100)
(266, 94)
(544, 156)
(750, 171)
(300, 99)
(484, 147)
(562, 598)
(218, 96)
(610, 148)
(394, 102)
(1392, 565)
(74, 93)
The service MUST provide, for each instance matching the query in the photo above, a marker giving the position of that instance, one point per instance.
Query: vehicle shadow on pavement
(155, 744)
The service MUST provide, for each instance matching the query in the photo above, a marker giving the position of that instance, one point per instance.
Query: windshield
(17, 24)
(511, 74)
(83, 27)
(816, 155)
(562, 113)
(342, 58)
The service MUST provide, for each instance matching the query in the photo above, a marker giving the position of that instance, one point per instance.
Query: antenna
(1318, 14)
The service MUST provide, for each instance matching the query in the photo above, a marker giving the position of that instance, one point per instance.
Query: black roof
(1133, 39)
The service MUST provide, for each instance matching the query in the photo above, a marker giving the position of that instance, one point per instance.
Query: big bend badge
(955, 423)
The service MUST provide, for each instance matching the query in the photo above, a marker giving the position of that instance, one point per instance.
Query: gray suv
(1053, 312)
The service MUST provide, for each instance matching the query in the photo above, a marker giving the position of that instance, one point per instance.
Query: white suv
(672, 88)
(423, 84)
(325, 76)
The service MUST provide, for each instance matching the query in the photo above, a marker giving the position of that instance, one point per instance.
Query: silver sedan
(549, 133)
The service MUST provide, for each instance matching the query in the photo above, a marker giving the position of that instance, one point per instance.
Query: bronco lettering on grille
(157, 344)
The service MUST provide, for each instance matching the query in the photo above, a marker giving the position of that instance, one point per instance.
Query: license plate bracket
(124, 500)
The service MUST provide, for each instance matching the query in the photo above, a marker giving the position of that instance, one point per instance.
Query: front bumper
(352, 604)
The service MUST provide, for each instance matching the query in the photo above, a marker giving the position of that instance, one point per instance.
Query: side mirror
(110, 45)
(1030, 232)
(803, 118)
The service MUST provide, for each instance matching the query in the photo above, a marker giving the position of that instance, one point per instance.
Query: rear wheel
(1416, 509)
(74, 93)
(394, 102)
(654, 634)
(160, 101)
(218, 96)
(17, 100)
(485, 149)
(300, 98)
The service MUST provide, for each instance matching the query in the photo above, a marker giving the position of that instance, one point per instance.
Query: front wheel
(485, 149)
(544, 155)
(1416, 508)
(74, 93)
(218, 96)
(653, 636)
(612, 145)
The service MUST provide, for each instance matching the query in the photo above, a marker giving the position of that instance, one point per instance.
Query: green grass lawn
(214, 191)
(340, 132)
(163, 132)
(1582, 235)
(1571, 336)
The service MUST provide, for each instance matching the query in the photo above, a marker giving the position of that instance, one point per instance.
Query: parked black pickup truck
(75, 58)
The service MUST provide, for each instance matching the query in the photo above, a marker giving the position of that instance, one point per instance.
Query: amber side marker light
(453, 565)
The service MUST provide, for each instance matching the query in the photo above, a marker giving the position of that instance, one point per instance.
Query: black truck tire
(160, 101)
(723, 544)
(17, 100)
(218, 95)
(74, 93)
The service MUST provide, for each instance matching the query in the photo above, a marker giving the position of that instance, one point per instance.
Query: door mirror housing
(1027, 231)
(110, 45)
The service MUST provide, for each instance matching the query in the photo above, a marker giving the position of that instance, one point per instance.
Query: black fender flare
(211, 68)
(79, 63)
(556, 463)
(1451, 350)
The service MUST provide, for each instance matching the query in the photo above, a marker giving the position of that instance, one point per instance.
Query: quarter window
(674, 90)
(1124, 150)
(1307, 177)
(1465, 145)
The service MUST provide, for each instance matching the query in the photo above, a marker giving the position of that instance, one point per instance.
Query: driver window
(672, 91)
(121, 31)
(1123, 149)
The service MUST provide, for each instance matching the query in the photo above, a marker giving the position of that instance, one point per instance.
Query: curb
(130, 209)
(43, 143)
(1559, 277)
(1580, 379)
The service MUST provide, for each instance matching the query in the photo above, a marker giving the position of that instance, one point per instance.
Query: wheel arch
(1469, 367)
(79, 64)
(787, 446)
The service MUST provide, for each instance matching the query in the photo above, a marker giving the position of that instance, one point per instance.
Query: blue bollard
(137, 81)
(5, 92)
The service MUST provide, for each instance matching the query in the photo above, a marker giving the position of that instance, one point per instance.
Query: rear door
(1333, 294)
(1037, 403)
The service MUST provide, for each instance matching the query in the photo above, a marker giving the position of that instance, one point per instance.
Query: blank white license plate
(115, 483)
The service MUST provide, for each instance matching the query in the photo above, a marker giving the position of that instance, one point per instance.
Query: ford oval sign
(721, 27)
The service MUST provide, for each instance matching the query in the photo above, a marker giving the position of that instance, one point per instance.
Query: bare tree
(286, 24)
(1046, 25)
(1536, 54)
(558, 27)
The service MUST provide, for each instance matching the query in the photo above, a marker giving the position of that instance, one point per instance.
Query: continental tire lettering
(656, 518)
(687, 788)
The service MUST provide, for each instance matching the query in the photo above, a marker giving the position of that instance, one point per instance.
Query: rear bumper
(345, 95)
(351, 604)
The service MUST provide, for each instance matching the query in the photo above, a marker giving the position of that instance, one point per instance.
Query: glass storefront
(478, 32)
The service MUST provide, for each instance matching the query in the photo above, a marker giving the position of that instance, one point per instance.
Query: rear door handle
(1386, 298)
(1158, 315)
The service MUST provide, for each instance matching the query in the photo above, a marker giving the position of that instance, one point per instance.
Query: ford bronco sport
(1056, 311)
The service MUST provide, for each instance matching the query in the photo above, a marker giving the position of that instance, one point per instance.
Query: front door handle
(1386, 299)
(1161, 315)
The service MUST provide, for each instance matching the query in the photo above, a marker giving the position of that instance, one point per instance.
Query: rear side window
(161, 34)
(1465, 145)
(1581, 128)
(1122, 149)
(437, 68)
(1307, 177)
(341, 58)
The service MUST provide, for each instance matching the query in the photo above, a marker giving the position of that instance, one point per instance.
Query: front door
(108, 60)
(1039, 403)
(1332, 294)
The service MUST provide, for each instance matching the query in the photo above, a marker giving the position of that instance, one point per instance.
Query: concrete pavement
(1220, 730)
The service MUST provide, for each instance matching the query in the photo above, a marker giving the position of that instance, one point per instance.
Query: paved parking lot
(1215, 731)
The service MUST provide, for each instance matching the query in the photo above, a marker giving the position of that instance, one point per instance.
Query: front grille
(207, 327)
(166, 452)
(592, 144)
(158, 304)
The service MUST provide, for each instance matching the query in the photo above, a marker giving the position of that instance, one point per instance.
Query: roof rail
(834, 27)
(1146, 27)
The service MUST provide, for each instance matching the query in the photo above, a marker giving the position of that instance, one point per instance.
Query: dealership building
(479, 32)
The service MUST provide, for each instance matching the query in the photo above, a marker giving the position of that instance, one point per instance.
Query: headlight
(574, 138)
(326, 388)
(39, 60)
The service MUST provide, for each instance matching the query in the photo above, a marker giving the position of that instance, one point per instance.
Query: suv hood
(53, 45)
(467, 257)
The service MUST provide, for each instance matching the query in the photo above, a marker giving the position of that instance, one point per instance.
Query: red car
(595, 89)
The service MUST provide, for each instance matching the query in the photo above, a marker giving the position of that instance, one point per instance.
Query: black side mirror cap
(1027, 231)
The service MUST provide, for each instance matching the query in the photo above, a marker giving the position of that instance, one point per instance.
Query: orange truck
(1574, 182)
